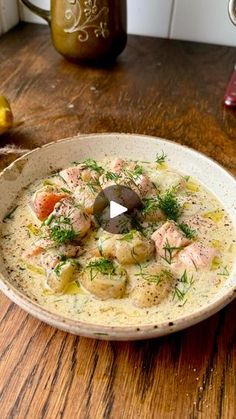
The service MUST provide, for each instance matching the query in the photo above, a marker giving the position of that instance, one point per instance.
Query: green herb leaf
(150, 204)
(94, 186)
(61, 234)
(164, 274)
(66, 191)
(189, 233)
(129, 236)
(112, 176)
(169, 250)
(161, 158)
(48, 221)
(103, 266)
(92, 164)
(224, 271)
(184, 283)
(169, 205)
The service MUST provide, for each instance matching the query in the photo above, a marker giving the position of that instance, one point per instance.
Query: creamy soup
(179, 247)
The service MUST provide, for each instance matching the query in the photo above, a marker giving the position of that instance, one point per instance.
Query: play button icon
(115, 209)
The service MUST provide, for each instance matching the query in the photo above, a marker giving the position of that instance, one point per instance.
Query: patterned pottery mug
(86, 30)
(232, 11)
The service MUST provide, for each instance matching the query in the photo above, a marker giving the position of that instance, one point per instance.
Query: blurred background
(194, 20)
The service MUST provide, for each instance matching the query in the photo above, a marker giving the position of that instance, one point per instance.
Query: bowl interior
(55, 156)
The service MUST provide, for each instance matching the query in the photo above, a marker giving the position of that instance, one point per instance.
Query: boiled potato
(104, 279)
(153, 285)
(154, 215)
(61, 276)
(107, 245)
(167, 180)
(85, 196)
(133, 248)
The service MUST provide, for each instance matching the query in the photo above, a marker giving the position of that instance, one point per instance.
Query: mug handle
(232, 11)
(45, 14)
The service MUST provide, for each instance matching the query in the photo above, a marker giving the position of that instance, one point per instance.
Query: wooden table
(158, 87)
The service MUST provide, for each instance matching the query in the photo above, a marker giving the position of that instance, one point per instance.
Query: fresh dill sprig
(94, 186)
(224, 272)
(169, 205)
(160, 158)
(103, 266)
(135, 173)
(92, 164)
(150, 204)
(184, 283)
(164, 274)
(61, 231)
(61, 235)
(129, 236)
(189, 232)
(169, 250)
(48, 221)
(9, 215)
(58, 268)
(112, 176)
(66, 191)
(63, 262)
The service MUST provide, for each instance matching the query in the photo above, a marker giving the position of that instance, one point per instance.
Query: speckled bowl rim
(97, 331)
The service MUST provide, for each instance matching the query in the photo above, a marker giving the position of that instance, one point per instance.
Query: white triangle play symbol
(116, 209)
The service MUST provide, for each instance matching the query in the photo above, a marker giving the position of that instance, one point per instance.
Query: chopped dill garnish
(184, 283)
(10, 214)
(94, 186)
(189, 232)
(62, 178)
(224, 271)
(61, 235)
(169, 205)
(129, 236)
(92, 164)
(135, 173)
(66, 191)
(59, 267)
(160, 158)
(61, 231)
(164, 274)
(112, 176)
(169, 250)
(150, 204)
(63, 262)
(48, 221)
(103, 266)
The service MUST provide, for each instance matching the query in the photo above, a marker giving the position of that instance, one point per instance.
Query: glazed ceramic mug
(232, 11)
(86, 29)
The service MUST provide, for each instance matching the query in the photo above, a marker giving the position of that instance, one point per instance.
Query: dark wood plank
(164, 88)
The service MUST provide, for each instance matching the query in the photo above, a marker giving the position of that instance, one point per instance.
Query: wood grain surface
(164, 88)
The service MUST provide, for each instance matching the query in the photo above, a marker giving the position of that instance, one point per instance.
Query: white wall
(9, 15)
(197, 20)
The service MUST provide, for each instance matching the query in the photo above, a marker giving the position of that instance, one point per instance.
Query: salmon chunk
(44, 201)
(70, 216)
(117, 165)
(77, 176)
(169, 235)
(197, 256)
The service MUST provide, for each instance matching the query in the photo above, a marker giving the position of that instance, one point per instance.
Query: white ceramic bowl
(54, 156)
